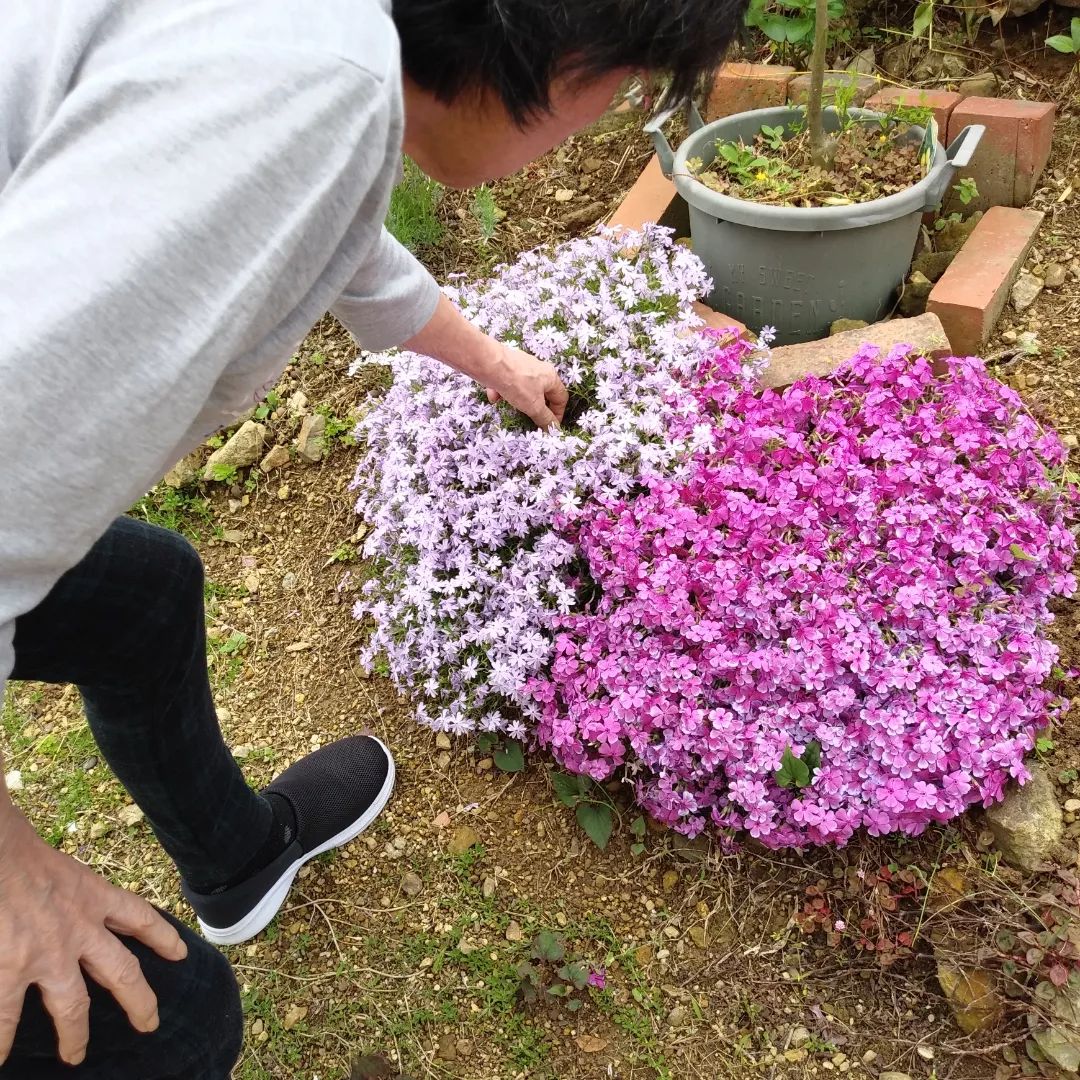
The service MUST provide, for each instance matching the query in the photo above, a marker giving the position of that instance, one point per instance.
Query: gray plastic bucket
(799, 269)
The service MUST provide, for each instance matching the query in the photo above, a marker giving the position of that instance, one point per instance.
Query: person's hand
(59, 919)
(532, 386)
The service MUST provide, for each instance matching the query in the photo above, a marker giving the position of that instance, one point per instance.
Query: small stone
(289, 581)
(1055, 276)
(310, 443)
(185, 472)
(90, 763)
(560, 918)
(985, 84)
(1070, 441)
(464, 838)
(1072, 806)
(233, 536)
(869, 1057)
(442, 761)
(130, 815)
(411, 884)
(1027, 823)
(252, 582)
(972, 995)
(643, 955)
(297, 404)
(916, 291)
(241, 450)
(489, 887)
(1026, 291)
(799, 1036)
(796, 1055)
(564, 194)
(591, 165)
(486, 764)
(669, 881)
(925, 1052)
(678, 1016)
(467, 947)
(842, 326)
(698, 936)
(293, 1017)
(100, 829)
(1009, 337)
(514, 931)
(893, 1076)
(283, 492)
(275, 459)
(671, 932)
(242, 751)
(464, 1048)
(13, 780)
(442, 741)
(257, 1027)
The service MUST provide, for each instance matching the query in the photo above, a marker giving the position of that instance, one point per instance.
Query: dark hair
(517, 47)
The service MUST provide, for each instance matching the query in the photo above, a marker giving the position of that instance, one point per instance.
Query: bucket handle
(654, 129)
(960, 152)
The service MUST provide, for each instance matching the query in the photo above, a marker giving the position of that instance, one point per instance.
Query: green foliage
(412, 217)
(1067, 43)
(510, 757)
(798, 772)
(222, 473)
(774, 136)
(788, 22)
(485, 212)
(591, 806)
(597, 820)
(966, 190)
(176, 510)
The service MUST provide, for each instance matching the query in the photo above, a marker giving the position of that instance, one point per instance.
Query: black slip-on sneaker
(335, 793)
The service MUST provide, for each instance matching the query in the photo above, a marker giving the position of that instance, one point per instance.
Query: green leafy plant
(773, 136)
(413, 217)
(798, 772)
(1067, 43)
(966, 190)
(508, 754)
(224, 474)
(273, 400)
(485, 212)
(549, 973)
(788, 23)
(591, 806)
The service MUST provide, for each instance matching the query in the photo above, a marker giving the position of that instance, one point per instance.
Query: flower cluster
(461, 496)
(834, 618)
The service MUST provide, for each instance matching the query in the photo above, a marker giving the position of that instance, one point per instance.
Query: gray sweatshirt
(185, 188)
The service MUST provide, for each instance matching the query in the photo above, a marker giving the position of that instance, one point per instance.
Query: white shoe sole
(260, 916)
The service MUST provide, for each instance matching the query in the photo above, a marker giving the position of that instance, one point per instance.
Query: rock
(278, 456)
(893, 1076)
(799, 1036)
(953, 234)
(972, 996)
(90, 763)
(411, 884)
(310, 444)
(698, 936)
(13, 780)
(514, 932)
(985, 84)
(489, 887)
(1026, 291)
(297, 404)
(241, 450)
(591, 165)
(442, 741)
(464, 1048)
(916, 293)
(842, 326)
(865, 62)
(669, 881)
(100, 829)
(1055, 277)
(932, 264)
(185, 472)
(130, 815)
(584, 215)
(464, 838)
(896, 60)
(678, 1016)
(1072, 806)
(1027, 823)
(289, 581)
(1009, 337)
(293, 1017)
(941, 65)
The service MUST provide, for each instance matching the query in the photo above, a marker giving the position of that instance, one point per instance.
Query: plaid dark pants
(126, 626)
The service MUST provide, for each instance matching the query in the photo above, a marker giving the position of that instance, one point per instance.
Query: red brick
(652, 199)
(745, 87)
(715, 320)
(941, 101)
(1013, 152)
(865, 87)
(924, 335)
(972, 293)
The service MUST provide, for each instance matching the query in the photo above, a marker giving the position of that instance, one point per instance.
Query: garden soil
(403, 946)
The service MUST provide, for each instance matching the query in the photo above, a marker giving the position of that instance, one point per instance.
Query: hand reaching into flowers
(532, 386)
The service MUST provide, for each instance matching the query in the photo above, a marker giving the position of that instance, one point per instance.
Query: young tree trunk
(818, 150)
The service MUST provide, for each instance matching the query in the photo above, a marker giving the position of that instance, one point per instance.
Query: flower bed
(792, 614)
